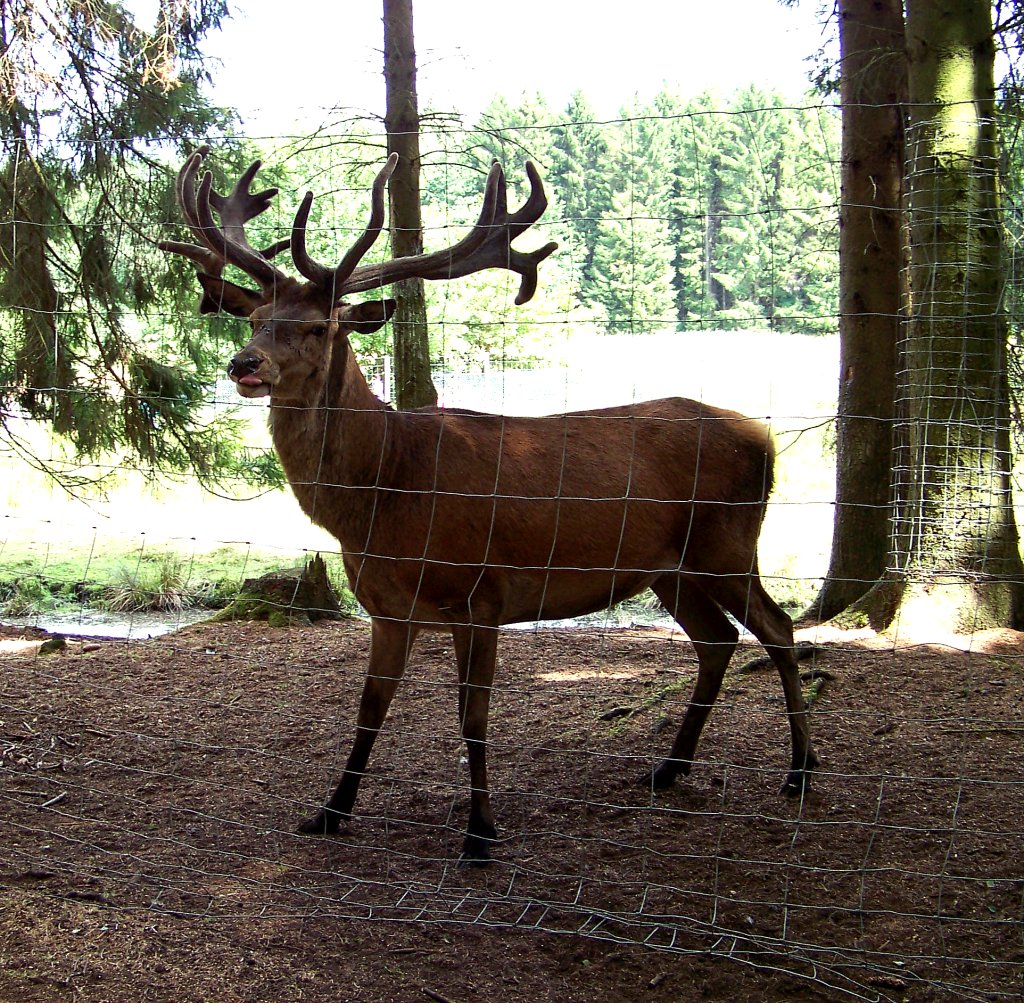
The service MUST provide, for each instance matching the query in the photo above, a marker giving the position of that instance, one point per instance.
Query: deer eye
(318, 329)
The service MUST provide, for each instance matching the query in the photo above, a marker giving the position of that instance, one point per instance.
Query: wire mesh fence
(153, 787)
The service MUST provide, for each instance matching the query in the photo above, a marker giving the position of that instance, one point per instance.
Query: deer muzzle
(249, 370)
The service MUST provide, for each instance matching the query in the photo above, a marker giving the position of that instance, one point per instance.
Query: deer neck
(332, 440)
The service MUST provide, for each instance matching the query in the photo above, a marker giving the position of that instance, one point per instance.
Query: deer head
(296, 323)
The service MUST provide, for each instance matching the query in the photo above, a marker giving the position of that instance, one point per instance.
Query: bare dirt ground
(150, 792)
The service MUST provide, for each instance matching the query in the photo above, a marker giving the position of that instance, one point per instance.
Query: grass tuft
(163, 586)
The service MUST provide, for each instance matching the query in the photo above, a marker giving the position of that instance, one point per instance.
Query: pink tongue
(250, 381)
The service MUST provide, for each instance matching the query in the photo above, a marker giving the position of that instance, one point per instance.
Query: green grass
(140, 544)
(125, 580)
(50, 569)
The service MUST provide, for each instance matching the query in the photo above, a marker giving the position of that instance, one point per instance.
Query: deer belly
(493, 560)
(438, 594)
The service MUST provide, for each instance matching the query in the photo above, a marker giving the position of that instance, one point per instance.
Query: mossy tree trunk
(956, 561)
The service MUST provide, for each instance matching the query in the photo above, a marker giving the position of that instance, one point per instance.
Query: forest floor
(151, 789)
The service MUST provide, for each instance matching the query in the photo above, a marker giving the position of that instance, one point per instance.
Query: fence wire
(155, 783)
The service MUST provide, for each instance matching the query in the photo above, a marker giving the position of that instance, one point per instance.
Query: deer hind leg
(390, 644)
(475, 651)
(714, 639)
(744, 596)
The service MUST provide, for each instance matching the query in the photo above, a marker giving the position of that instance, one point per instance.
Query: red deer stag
(458, 521)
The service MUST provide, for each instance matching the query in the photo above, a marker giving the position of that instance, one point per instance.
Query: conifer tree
(92, 101)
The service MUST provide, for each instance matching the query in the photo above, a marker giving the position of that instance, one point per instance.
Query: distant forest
(680, 214)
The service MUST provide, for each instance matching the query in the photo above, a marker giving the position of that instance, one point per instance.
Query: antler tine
(355, 253)
(203, 254)
(235, 210)
(184, 186)
(533, 208)
(488, 245)
(526, 262)
(240, 205)
(276, 248)
(333, 279)
(208, 261)
(374, 276)
(188, 200)
(234, 247)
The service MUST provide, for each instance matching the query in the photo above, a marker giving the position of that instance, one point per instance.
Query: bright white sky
(281, 64)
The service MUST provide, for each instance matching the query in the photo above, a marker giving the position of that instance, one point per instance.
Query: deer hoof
(797, 783)
(476, 849)
(664, 774)
(323, 823)
(798, 780)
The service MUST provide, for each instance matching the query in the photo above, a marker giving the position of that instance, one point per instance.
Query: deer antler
(227, 243)
(487, 245)
(334, 278)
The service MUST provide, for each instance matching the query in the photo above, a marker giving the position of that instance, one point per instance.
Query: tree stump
(296, 595)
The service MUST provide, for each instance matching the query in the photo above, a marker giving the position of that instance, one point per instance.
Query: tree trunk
(873, 83)
(413, 385)
(712, 225)
(957, 562)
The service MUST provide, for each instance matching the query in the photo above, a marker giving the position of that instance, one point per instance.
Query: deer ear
(367, 317)
(221, 296)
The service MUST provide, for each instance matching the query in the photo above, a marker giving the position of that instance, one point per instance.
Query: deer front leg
(390, 644)
(475, 650)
